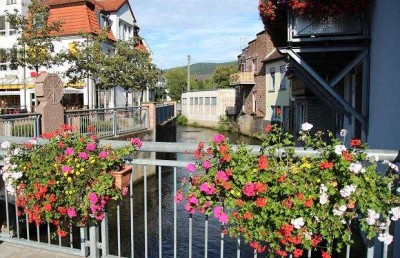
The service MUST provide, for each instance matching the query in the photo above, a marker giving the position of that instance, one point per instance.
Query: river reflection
(184, 134)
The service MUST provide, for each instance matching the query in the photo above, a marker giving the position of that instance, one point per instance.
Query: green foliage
(182, 120)
(176, 83)
(220, 77)
(277, 200)
(34, 44)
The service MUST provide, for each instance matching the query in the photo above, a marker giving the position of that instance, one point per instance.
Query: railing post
(104, 237)
(114, 116)
(93, 240)
(84, 237)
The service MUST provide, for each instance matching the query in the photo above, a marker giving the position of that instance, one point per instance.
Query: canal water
(189, 135)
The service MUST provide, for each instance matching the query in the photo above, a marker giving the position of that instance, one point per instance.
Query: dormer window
(105, 22)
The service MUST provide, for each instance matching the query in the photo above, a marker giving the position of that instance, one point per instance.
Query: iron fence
(148, 222)
(20, 125)
(164, 112)
(109, 121)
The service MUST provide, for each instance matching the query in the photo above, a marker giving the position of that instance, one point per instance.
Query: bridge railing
(20, 125)
(109, 121)
(148, 223)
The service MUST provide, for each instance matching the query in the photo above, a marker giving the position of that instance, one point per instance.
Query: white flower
(340, 210)
(372, 217)
(306, 126)
(391, 165)
(297, 223)
(5, 145)
(323, 198)
(339, 149)
(372, 158)
(16, 175)
(385, 238)
(16, 151)
(33, 141)
(307, 235)
(322, 188)
(347, 190)
(356, 168)
(395, 213)
(10, 189)
(343, 132)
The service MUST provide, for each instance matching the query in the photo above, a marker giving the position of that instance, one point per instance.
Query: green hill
(203, 69)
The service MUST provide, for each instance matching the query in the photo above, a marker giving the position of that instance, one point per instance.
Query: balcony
(343, 27)
(241, 78)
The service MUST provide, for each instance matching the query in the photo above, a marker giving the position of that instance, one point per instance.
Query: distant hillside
(203, 69)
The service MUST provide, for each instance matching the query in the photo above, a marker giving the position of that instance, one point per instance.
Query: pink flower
(219, 138)
(91, 146)
(205, 188)
(69, 151)
(191, 167)
(93, 198)
(189, 208)
(178, 197)
(103, 154)
(124, 191)
(71, 212)
(218, 211)
(221, 176)
(66, 169)
(249, 189)
(83, 155)
(136, 142)
(193, 200)
(223, 218)
(206, 164)
(100, 216)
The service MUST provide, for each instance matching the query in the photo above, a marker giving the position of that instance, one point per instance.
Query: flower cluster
(65, 181)
(281, 203)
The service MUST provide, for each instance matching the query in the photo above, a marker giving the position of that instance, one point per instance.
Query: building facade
(77, 17)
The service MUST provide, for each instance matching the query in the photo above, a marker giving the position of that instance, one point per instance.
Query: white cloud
(208, 30)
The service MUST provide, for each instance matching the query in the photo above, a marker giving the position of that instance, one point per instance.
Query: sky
(207, 30)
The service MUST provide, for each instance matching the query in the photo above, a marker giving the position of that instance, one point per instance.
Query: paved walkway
(11, 250)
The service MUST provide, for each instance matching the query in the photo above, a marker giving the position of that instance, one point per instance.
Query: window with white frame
(125, 30)
(105, 22)
(283, 78)
(2, 25)
(276, 113)
(272, 79)
(11, 1)
(213, 101)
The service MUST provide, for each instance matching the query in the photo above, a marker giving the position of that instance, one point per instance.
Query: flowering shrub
(284, 204)
(66, 181)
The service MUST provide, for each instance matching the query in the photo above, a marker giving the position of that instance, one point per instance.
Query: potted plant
(283, 204)
(66, 181)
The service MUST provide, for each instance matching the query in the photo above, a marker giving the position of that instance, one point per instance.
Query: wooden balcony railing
(242, 78)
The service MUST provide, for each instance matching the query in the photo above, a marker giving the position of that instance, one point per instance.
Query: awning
(13, 83)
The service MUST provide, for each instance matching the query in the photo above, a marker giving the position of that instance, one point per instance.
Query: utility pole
(188, 75)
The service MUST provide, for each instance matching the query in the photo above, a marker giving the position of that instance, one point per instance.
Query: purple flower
(223, 218)
(178, 197)
(71, 212)
(136, 142)
(189, 208)
(83, 155)
(100, 216)
(69, 151)
(218, 212)
(219, 138)
(91, 146)
(206, 164)
(124, 191)
(205, 188)
(193, 200)
(191, 167)
(103, 154)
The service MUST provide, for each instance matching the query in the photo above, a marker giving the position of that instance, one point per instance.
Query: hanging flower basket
(121, 177)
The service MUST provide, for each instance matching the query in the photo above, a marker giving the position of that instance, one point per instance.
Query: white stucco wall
(204, 112)
(384, 123)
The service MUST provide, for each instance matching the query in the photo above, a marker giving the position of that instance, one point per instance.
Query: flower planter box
(121, 177)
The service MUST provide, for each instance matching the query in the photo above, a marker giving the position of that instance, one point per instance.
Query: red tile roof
(77, 17)
(111, 5)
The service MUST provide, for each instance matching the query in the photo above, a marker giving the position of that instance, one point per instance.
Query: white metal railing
(109, 121)
(152, 225)
(20, 125)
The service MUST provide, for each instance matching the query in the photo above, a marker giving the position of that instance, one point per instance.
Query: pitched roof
(111, 5)
(77, 17)
(273, 55)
